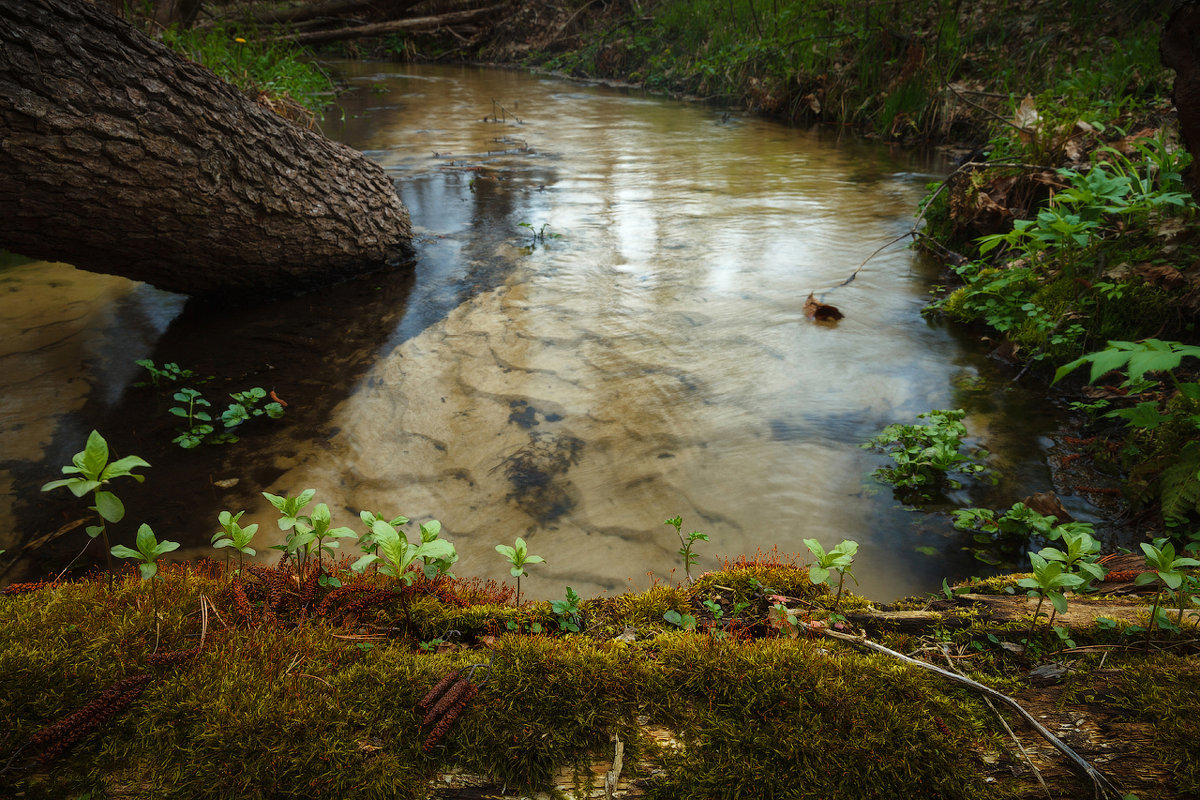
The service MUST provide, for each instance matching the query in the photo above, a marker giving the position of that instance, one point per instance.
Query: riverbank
(266, 686)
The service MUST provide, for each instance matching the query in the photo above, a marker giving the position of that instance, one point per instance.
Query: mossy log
(291, 689)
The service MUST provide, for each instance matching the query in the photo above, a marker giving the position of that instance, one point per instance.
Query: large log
(397, 26)
(118, 156)
(333, 8)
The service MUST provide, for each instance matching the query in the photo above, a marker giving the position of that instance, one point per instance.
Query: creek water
(604, 328)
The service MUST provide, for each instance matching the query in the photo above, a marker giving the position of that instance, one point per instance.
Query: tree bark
(1179, 49)
(118, 156)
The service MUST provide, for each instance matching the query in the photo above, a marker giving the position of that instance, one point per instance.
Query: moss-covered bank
(302, 690)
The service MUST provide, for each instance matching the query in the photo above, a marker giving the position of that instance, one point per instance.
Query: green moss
(300, 707)
(780, 718)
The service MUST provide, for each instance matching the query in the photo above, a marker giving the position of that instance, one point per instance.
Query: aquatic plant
(245, 406)
(926, 456)
(199, 428)
(169, 372)
(1012, 532)
(92, 470)
(198, 422)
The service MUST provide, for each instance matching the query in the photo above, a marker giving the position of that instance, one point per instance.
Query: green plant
(234, 535)
(296, 525)
(685, 622)
(1011, 532)
(927, 455)
(784, 620)
(518, 556)
(838, 560)
(198, 421)
(686, 543)
(1081, 555)
(322, 529)
(569, 616)
(539, 234)
(255, 64)
(199, 430)
(148, 551)
(289, 508)
(166, 374)
(435, 563)
(367, 540)
(245, 407)
(92, 470)
(1167, 424)
(1166, 570)
(394, 554)
(1050, 581)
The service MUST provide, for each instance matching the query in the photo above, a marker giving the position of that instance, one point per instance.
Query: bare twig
(1037, 773)
(1104, 787)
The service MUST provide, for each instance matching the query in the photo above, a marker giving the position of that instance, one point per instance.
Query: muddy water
(604, 329)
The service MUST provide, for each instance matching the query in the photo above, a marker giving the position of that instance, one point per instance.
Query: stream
(604, 328)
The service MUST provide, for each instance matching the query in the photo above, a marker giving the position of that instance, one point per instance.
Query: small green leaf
(109, 507)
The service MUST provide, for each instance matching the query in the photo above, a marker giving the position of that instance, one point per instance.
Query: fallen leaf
(821, 312)
(1161, 275)
(1027, 119)
(1048, 505)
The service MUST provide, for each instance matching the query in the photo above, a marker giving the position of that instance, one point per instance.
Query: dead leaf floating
(821, 312)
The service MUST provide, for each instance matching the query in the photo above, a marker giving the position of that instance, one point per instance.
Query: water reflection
(646, 356)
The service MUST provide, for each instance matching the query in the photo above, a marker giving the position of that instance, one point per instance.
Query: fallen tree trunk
(395, 26)
(335, 8)
(118, 156)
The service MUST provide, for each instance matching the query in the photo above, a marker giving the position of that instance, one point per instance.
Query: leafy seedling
(395, 554)
(838, 560)
(685, 622)
(1166, 569)
(92, 470)
(234, 535)
(686, 543)
(148, 551)
(518, 556)
(1050, 581)
(569, 616)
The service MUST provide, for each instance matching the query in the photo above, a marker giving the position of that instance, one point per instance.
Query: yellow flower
(240, 40)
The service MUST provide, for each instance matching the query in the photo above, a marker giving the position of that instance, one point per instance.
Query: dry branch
(335, 8)
(1103, 786)
(395, 26)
